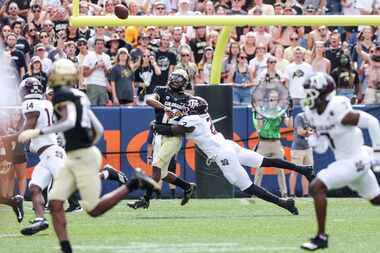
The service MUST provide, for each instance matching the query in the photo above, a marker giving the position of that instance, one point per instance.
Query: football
(121, 11)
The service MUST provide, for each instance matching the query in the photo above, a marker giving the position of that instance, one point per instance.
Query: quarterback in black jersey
(81, 130)
(168, 102)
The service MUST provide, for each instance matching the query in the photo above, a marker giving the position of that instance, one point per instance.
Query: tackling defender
(81, 130)
(168, 102)
(228, 155)
(337, 126)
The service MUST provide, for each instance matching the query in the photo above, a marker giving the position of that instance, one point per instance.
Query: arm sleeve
(65, 124)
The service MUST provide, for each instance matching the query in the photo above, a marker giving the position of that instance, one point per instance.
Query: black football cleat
(74, 209)
(188, 194)
(141, 203)
(17, 207)
(316, 243)
(146, 183)
(290, 205)
(115, 175)
(36, 226)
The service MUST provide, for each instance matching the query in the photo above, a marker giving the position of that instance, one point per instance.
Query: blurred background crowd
(122, 65)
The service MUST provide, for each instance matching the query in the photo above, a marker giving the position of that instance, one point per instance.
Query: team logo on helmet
(30, 88)
(319, 89)
(196, 106)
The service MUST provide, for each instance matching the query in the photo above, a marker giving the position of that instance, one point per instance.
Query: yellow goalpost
(228, 22)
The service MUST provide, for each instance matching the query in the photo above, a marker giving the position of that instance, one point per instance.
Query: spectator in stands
(36, 15)
(46, 62)
(282, 63)
(294, 44)
(114, 44)
(44, 39)
(123, 90)
(242, 79)
(372, 94)
(230, 60)
(302, 154)
(186, 63)
(96, 67)
(31, 34)
(83, 51)
(320, 33)
(35, 70)
(346, 79)
(165, 59)
(365, 7)
(365, 40)
(5, 30)
(160, 8)
(184, 8)
(258, 64)
(198, 44)
(17, 56)
(319, 62)
(144, 74)
(21, 44)
(59, 51)
(296, 74)
(70, 51)
(335, 50)
(249, 45)
(205, 65)
(262, 36)
(267, 9)
(270, 74)
(11, 14)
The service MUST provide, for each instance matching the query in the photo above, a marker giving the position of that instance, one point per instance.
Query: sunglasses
(185, 55)
(32, 30)
(146, 55)
(160, 8)
(44, 36)
(81, 44)
(272, 62)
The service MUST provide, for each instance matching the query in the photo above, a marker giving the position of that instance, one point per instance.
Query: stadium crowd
(122, 65)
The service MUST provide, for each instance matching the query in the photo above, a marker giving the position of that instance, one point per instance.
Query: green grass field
(234, 225)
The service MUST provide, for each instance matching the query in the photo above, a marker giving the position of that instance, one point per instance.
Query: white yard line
(182, 248)
(9, 235)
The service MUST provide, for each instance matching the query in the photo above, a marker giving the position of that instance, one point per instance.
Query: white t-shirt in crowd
(98, 77)
(297, 74)
(257, 65)
(365, 5)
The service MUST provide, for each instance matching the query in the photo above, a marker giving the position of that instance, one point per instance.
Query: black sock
(66, 247)
(262, 194)
(74, 199)
(181, 183)
(148, 194)
(133, 185)
(172, 191)
(283, 164)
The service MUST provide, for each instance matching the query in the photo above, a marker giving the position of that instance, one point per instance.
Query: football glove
(28, 134)
(319, 143)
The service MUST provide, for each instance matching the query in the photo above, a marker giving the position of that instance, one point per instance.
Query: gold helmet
(64, 73)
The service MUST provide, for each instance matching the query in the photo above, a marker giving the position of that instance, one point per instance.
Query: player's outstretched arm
(366, 121)
(171, 130)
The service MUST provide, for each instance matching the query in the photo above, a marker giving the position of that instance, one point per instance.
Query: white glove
(28, 134)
